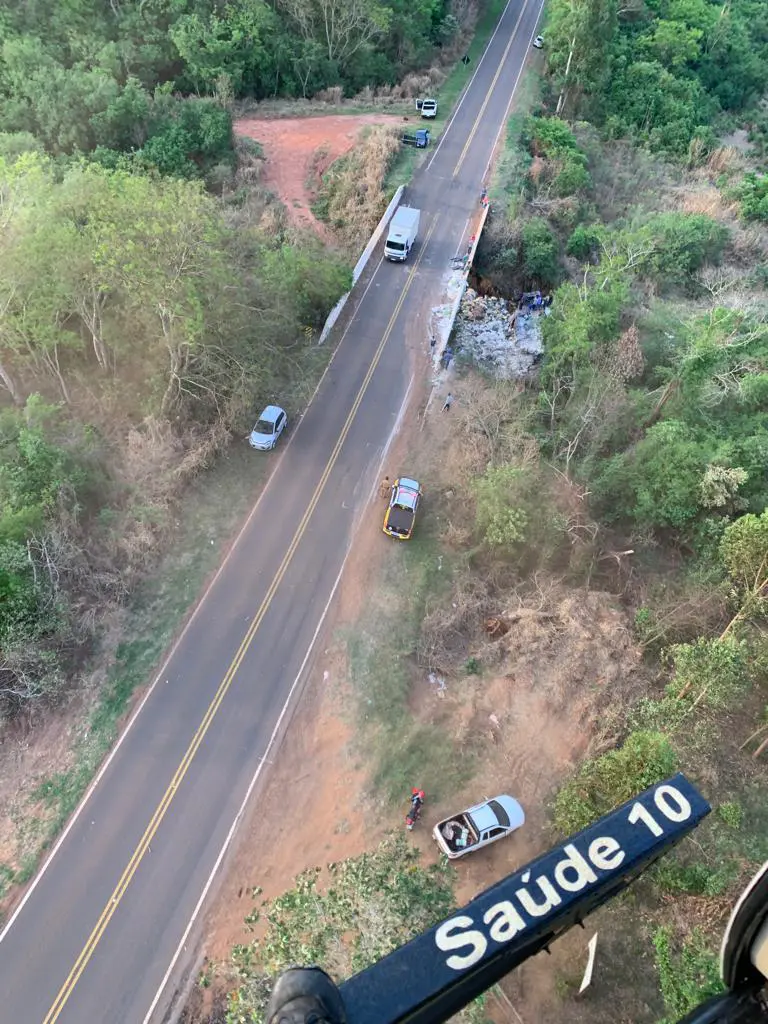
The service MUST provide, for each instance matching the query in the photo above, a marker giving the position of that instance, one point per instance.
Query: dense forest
(670, 73)
(92, 75)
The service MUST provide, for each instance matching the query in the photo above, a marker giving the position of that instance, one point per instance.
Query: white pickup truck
(478, 826)
(429, 108)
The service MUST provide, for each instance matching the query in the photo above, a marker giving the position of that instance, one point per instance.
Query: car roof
(411, 485)
(271, 412)
(484, 816)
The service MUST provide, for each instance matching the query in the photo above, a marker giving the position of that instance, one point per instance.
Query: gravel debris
(506, 343)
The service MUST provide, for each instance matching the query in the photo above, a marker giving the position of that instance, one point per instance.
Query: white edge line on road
(392, 435)
(468, 85)
(89, 792)
(512, 94)
(264, 759)
(246, 798)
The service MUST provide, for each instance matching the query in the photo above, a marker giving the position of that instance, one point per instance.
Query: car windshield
(501, 814)
(264, 427)
(396, 246)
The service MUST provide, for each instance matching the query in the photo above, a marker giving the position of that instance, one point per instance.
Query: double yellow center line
(491, 87)
(144, 843)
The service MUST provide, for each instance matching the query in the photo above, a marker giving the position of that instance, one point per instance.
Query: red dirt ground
(291, 147)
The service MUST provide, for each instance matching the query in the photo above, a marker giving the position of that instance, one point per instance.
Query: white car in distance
(268, 429)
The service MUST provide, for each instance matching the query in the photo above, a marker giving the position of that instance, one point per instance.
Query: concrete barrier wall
(361, 264)
(448, 313)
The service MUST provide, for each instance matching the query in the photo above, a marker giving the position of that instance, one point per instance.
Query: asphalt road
(97, 931)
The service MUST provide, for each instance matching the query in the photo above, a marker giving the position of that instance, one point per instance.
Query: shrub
(658, 483)
(752, 194)
(500, 523)
(583, 243)
(684, 242)
(688, 978)
(550, 136)
(375, 903)
(539, 245)
(715, 668)
(607, 781)
(573, 176)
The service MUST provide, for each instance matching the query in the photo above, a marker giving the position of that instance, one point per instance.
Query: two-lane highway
(94, 937)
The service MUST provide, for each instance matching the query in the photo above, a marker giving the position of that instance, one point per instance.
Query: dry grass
(451, 629)
(351, 198)
(725, 160)
(250, 162)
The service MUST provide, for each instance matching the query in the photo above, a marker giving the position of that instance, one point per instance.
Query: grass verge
(511, 167)
(459, 77)
(401, 750)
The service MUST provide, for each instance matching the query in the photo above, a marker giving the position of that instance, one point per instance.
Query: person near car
(385, 487)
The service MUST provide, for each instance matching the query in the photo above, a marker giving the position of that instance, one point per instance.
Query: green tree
(603, 783)
(715, 668)
(584, 243)
(341, 27)
(540, 252)
(500, 523)
(683, 243)
(580, 36)
(673, 43)
(235, 42)
(744, 550)
(582, 319)
(122, 125)
(655, 106)
(658, 483)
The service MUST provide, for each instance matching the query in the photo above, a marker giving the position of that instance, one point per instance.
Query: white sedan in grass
(538, 42)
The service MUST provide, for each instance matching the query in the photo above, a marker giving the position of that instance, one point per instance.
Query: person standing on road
(448, 402)
(385, 487)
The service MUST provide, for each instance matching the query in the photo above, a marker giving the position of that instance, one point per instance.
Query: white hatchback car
(538, 42)
(268, 429)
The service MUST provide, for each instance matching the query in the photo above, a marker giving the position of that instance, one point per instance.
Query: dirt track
(300, 150)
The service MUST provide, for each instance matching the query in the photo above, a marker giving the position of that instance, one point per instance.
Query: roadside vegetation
(593, 549)
(367, 907)
(620, 198)
(351, 195)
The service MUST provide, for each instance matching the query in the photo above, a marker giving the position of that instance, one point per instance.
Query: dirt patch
(298, 151)
(536, 713)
